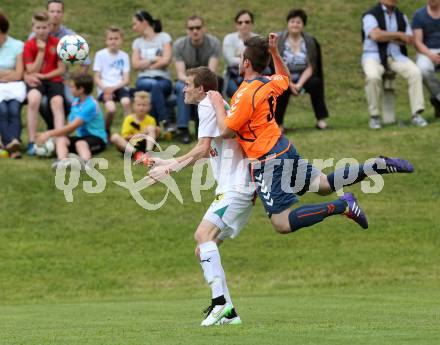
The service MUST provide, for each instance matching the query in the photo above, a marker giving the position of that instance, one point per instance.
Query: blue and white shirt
(295, 62)
(111, 66)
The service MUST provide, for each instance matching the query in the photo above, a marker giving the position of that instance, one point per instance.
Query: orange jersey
(252, 114)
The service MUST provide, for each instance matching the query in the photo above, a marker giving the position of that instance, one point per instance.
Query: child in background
(85, 119)
(41, 61)
(112, 68)
(138, 123)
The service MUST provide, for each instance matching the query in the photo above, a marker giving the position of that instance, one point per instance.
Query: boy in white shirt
(112, 68)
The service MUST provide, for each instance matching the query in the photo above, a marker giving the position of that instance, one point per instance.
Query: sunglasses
(192, 28)
(239, 22)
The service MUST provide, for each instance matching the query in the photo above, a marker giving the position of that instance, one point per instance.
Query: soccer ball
(73, 49)
(46, 150)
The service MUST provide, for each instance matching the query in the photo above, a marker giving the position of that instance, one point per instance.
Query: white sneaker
(419, 121)
(215, 313)
(60, 164)
(375, 122)
(226, 321)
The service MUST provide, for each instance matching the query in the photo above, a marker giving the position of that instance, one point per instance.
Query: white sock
(225, 288)
(212, 267)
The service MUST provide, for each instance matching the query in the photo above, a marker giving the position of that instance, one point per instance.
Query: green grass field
(102, 270)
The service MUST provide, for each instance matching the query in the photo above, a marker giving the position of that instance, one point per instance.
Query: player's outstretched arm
(280, 66)
(161, 168)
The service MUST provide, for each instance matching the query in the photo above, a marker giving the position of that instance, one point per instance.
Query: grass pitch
(101, 270)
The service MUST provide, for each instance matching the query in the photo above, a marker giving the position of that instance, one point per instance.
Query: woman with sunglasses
(232, 48)
(151, 56)
(302, 55)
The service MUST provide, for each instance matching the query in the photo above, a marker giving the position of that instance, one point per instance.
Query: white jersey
(111, 66)
(228, 162)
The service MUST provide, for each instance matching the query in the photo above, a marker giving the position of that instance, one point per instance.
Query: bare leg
(34, 100)
(152, 133)
(57, 106)
(110, 110)
(121, 144)
(126, 105)
(83, 149)
(62, 147)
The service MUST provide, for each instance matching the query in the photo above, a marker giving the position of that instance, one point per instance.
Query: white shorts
(230, 213)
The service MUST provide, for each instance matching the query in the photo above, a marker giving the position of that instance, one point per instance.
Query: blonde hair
(142, 96)
(114, 29)
(40, 16)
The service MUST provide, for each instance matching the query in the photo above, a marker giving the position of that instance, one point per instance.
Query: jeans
(233, 85)
(160, 89)
(10, 122)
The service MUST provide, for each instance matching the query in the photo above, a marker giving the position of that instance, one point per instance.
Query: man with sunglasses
(196, 49)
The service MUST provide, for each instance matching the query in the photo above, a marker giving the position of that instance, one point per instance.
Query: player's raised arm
(280, 66)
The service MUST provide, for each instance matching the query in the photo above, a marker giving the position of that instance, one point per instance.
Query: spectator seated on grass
(138, 123)
(12, 91)
(112, 68)
(46, 71)
(85, 125)
(385, 35)
(301, 53)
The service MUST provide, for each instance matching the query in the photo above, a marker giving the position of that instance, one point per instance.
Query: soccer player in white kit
(231, 208)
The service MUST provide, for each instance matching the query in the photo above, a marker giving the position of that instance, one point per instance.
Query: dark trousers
(315, 87)
(10, 122)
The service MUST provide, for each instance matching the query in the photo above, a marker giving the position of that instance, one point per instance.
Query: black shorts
(49, 88)
(96, 144)
(117, 95)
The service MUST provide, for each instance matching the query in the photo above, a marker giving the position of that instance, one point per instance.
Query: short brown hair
(195, 17)
(257, 52)
(142, 95)
(55, 2)
(114, 29)
(203, 76)
(40, 16)
(84, 81)
(4, 24)
(297, 12)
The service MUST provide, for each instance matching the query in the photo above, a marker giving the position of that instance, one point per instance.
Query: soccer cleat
(215, 313)
(353, 211)
(419, 121)
(229, 321)
(397, 165)
(231, 318)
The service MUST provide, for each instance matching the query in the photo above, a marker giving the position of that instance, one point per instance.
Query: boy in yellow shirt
(138, 123)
